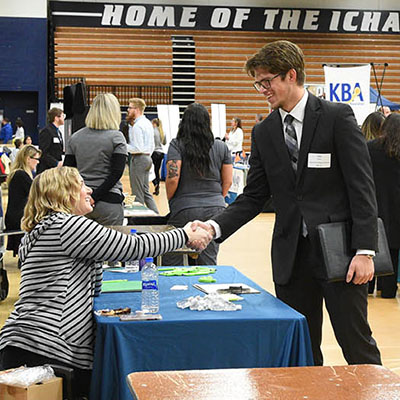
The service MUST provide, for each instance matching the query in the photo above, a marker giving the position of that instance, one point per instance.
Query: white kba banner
(349, 85)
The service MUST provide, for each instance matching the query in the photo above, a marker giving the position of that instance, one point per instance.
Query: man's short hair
(139, 103)
(278, 58)
(53, 113)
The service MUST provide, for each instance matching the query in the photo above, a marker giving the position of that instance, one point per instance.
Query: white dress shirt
(141, 137)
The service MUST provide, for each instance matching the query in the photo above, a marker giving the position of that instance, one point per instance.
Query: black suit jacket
(51, 148)
(387, 182)
(344, 191)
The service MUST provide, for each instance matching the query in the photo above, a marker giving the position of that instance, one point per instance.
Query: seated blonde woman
(52, 321)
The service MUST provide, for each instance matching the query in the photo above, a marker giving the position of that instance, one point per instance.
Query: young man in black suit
(310, 155)
(51, 141)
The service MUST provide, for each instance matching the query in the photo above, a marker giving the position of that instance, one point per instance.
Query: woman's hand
(227, 136)
(198, 238)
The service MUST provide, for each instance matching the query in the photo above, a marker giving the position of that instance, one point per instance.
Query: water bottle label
(149, 285)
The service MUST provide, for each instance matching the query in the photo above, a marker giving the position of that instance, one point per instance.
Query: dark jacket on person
(387, 183)
(51, 146)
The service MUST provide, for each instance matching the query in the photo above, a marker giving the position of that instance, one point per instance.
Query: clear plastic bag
(212, 302)
(25, 376)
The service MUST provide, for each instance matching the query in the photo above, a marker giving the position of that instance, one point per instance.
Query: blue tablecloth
(265, 333)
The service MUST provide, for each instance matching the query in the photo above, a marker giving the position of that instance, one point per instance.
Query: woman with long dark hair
(385, 157)
(199, 174)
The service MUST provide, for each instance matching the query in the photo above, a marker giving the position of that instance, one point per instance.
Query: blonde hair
(21, 161)
(139, 103)
(54, 190)
(157, 122)
(104, 113)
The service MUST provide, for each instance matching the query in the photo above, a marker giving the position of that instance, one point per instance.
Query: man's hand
(199, 238)
(361, 270)
(209, 228)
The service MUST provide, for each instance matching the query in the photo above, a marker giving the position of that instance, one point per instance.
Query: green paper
(207, 279)
(188, 271)
(121, 286)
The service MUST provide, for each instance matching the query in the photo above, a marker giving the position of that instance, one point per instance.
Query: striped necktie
(293, 149)
(291, 141)
(60, 138)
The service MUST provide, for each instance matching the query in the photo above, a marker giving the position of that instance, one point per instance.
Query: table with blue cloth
(265, 333)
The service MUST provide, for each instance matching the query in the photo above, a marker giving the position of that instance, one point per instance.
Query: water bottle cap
(133, 231)
(149, 259)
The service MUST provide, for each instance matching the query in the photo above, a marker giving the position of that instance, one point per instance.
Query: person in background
(199, 175)
(20, 131)
(6, 132)
(158, 153)
(234, 138)
(14, 151)
(371, 129)
(385, 157)
(372, 125)
(103, 166)
(125, 126)
(52, 322)
(27, 140)
(51, 141)
(385, 110)
(141, 147)
(259, 118)
(19, 182)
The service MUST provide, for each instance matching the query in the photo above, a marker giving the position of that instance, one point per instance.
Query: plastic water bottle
(133, 265)
(150, 294)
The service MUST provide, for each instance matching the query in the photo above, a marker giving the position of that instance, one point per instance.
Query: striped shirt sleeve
(86, 239)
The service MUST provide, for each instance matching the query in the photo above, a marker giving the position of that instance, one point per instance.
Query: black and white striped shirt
(59, 278)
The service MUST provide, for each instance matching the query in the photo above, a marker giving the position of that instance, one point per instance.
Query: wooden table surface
(354, 382)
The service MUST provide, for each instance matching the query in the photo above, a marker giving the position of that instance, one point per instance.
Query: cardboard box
(49, 390)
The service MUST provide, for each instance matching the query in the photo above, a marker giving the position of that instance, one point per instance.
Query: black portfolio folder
(335, 238)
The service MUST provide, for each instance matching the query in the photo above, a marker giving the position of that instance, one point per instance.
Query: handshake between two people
(199, 233)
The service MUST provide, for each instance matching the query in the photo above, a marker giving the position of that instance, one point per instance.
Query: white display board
(349, 85)
(169, 116)
(218, 120)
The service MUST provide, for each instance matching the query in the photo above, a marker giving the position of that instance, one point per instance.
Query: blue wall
(23, 55)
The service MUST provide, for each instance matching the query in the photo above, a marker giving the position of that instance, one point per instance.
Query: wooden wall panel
(144, 56)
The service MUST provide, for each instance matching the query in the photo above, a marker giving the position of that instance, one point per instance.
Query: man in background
(140, 147)
(259, 118)
(51, 141)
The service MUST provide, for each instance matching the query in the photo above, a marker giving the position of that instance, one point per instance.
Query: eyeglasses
(266, 85)
(35, 158)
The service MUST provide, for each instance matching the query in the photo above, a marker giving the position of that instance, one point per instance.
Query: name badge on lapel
(319, 160)
(56, 140)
